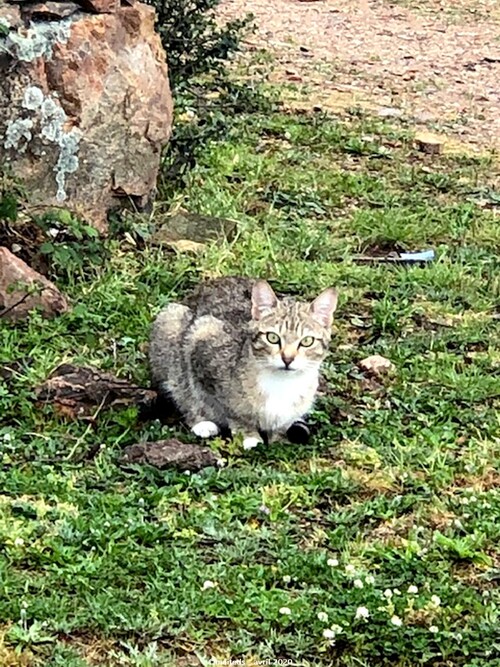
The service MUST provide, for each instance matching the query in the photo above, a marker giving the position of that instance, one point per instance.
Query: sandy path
(435, 61)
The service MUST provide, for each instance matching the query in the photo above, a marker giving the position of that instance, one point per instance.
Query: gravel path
(434, 61)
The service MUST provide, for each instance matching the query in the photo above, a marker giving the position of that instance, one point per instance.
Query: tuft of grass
(398, 488)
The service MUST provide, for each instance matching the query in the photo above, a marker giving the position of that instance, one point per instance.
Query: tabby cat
(234, 357)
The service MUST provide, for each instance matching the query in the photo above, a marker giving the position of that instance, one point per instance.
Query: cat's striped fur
(233, 356)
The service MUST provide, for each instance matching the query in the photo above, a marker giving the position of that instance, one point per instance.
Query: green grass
(103, 566)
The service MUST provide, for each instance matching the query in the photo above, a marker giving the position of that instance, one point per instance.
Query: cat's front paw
(298, 433)
(251, 442)
(205, 429)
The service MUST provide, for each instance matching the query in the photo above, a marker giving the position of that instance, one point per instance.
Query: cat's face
(288, 335)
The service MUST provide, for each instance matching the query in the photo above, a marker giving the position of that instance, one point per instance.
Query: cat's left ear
(263, 299)
(324, 306)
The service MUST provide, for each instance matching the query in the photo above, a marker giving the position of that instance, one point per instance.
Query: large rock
(22, 289)
(85, 103)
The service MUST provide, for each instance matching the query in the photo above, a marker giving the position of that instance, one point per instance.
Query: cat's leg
(208, 343)
(252, 440)
(251, 437)
(168, 368)
(298, 433)
(205, 429)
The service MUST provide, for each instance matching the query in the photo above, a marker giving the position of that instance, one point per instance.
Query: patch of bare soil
(436, 63)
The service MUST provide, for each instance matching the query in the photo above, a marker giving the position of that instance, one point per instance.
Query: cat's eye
(273, 338)
(307, 341)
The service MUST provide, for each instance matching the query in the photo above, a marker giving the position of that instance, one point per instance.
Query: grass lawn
(394, 505)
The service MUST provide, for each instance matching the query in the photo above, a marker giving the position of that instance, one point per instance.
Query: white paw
(205, 429)
(250, 443)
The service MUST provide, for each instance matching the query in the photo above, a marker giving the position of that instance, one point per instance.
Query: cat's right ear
(263, 299)
(324, 306)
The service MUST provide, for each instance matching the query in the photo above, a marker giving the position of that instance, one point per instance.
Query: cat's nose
(287, 359)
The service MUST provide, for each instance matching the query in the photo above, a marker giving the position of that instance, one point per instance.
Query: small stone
(185, 227)
(187, 246)
(377, 365)
(389, 112)
(429, 143)
(167, 454)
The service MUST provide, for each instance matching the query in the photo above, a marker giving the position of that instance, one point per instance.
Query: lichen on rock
(68, 160)
(33, 97)
(18, 130)
(48, 122)
(37, 41)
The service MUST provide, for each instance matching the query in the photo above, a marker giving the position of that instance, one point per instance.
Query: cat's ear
(324, 306)
(263, 299)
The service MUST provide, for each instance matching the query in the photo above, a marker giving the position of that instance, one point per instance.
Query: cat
(234, 357)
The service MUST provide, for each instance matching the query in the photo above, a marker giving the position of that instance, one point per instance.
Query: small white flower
(358, 583)
(370, 579)
(19, 542)
(286, 611)
(7, 437)
(396, 591)
(395, 620)
(328, 634)
(412, 590)
(436, 600)
(388, 593)
(362, 612)
(287, 579)
(434, 629)
(323, 617)
(332, 562)
(337, 629)
(350, 569)
(207, 584)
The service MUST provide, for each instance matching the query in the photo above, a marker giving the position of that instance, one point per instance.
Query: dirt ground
(433, 62)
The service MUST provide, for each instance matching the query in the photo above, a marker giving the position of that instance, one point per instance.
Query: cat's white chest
(285, 397)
